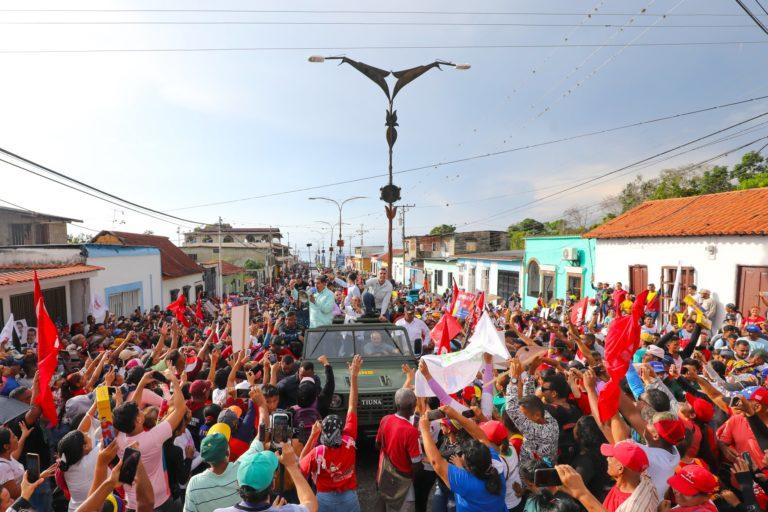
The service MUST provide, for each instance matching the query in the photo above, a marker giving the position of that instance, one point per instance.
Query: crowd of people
(156, 411)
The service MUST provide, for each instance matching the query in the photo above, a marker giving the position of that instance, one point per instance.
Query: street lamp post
(390, 193)
(340, 206)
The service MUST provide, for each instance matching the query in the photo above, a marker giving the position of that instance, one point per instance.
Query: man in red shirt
(626, 463)
(399, 451)
(332, 464)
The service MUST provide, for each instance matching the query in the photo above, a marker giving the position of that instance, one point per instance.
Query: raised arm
(354, 371)
(179, 406)
(439, 464)
(467, 424)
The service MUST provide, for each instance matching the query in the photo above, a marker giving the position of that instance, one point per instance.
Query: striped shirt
(208, 491)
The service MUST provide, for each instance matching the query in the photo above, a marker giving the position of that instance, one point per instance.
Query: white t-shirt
(661, 467)
(284, 508)
(10, 469)
(79, 477)
(417, 330)
(219, 396)
(509, 469)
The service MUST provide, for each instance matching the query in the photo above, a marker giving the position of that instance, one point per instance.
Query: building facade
(495, 273)
(557, 267)
(131, 277)
(439, 273)
(64, 279)
(180, 274)
(238, 245)
(22, 227)
(718, 240)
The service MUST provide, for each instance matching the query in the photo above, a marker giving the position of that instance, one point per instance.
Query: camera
(281, 428)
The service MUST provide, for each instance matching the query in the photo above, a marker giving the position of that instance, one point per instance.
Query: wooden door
(638, 278)
(752, 281)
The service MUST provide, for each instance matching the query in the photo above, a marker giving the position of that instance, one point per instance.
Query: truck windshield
(368, 343)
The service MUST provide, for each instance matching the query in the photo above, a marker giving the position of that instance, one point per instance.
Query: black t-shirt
(593, 468)
(566, 417)
(37, 442)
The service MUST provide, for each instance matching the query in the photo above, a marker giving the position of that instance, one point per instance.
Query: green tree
(442, 229)
(253, 265)
(751, 165)
(78, 239)
(529, 226)
(716, 179)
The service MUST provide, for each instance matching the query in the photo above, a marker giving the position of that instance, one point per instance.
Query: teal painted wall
(548, 252)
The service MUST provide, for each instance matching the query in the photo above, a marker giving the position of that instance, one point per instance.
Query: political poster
(463, 305)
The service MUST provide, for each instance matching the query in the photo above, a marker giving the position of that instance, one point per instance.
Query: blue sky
(174, 130)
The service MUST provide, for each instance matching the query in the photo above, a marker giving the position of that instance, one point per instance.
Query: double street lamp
(390, 193)
(340, 206)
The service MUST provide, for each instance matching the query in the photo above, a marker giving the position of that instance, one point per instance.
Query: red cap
(199, 388)
(692, 480)
(495, 430)
(672, 431)
(761, 396)
(629, 453)
(704, 410)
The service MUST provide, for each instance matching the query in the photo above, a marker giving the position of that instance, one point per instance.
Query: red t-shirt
(615, 498)
(333, 469)
(399, 440)
(237, 447)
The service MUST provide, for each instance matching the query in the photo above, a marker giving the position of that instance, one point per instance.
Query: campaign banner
(463, 305)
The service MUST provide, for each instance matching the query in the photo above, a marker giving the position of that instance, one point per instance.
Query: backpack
(303, 420)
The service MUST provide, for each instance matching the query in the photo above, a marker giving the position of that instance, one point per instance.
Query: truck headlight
(336, 401)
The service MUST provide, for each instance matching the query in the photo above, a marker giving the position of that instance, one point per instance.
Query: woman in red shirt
(331, 464)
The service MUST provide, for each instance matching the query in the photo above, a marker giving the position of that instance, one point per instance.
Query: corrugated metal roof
(17, 274)
(742, 212)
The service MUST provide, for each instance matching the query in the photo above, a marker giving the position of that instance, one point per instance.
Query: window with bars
(123, 303)
(23, 306)
(438, 278)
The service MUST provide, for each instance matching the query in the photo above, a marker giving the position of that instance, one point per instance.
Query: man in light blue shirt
(321, 303)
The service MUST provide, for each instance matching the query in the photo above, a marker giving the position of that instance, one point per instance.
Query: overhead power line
(383, 47)
(370, 23)
(89, 193)
(89, 187)
(752, 15)
(615, 171)
(483, 155)
(317, 11)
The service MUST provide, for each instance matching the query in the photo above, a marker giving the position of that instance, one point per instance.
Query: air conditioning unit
(570, 254)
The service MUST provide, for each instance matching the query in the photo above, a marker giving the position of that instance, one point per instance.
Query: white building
(180, 274)
(719, 240)
(131, 277)
(495, 273)
(64, 279)
(439, 273)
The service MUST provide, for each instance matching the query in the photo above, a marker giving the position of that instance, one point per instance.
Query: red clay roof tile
(14, 274)
(742, 212)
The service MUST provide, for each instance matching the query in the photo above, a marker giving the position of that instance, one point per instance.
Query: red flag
(178, 308)
(454, 296)
(443, 332)
(621, 343)
(477, 311)
(579, 311)
(48, 346)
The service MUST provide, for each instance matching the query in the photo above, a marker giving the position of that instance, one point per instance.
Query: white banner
(240, 335)
(6, 335)
(456, 370)
(98, 307)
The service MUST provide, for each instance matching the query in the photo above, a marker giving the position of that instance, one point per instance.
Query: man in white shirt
(353, 288)
(418, 332)
(378, 293)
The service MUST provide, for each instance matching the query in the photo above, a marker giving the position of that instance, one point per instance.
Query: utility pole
(361, 232)
(403, 208)
(220, 282)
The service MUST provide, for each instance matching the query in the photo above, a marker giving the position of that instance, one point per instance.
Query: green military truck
(384, 348)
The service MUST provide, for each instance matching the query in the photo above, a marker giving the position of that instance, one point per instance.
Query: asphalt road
(367, 461)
